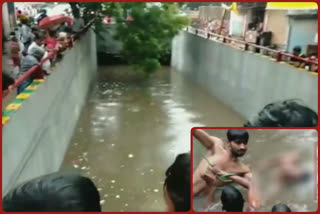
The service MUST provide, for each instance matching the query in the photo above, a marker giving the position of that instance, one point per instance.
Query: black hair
(54, 193)
(52, 33)
(280, 208)
(238, 135)
(297, 49)
(232, 200)
(177, 182)
(288, 113)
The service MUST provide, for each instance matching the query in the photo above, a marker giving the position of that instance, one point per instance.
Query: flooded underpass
(131, 130)
(266, 145)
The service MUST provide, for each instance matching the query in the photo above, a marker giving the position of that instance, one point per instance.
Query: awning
(292, 6)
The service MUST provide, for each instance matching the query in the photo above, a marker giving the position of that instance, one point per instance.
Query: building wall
(244, 81)
(277, 22)
(36, 137)
(302, 33)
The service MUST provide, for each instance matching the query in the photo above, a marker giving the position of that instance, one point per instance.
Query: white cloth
(26, 34)
(46, 65)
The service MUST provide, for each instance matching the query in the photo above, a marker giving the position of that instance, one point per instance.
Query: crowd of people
(75, 193)
(29, 45)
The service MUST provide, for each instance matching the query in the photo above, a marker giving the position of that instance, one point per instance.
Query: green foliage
(148, 37)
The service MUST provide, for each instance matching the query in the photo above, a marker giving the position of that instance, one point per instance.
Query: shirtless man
(220, 159)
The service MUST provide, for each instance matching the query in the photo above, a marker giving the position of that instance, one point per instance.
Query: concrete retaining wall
(242, 80)
(36, 137)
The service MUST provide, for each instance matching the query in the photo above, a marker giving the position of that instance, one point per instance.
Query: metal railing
(279, 56)
(50, 56)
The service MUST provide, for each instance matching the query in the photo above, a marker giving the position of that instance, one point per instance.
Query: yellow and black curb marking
(16, 104)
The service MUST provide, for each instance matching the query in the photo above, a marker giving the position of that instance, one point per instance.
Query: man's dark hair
(297, 49)
(238, 135)
(288, 113)
(177, 182)
(232, 200)
(280, 208)
(54, 193)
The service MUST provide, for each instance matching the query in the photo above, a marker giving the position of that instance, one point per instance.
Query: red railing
(278, 55)
(36, 68)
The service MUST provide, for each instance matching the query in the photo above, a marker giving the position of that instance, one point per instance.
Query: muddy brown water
(265, 144)
(131, 130)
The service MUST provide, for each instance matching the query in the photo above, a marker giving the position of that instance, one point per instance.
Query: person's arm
(205, 139)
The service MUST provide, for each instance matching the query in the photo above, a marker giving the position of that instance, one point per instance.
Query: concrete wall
(35, 139)
(244, 81)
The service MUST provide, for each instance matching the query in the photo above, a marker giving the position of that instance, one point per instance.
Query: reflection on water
(265, 144)
(131, 130)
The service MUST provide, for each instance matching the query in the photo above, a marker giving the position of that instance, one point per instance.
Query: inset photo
(254, 170)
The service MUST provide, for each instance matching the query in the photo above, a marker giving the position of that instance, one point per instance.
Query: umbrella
(51, 21)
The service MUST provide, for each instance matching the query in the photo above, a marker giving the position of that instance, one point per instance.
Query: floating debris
(121, 189)
(81, 159)
(121, 166)
(105, 195)
(93, 177)
(83, 168)
(99, 189)
(111, 187)
(102, 202)
(156, 201)
(101, 140)
(142, 173)
(126, 205)
(75, 144)
(112, 145)
(130, 156)
(85, 153)
(113, 181)
(111, 118)
(117, 196)
(151, 170)
(155, 190)
(75, 166)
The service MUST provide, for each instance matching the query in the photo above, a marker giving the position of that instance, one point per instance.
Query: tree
(147, 37)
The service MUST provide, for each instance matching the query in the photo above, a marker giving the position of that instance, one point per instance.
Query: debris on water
(117, 196)
(107, 91)
(151, 170)
(121, 189)
(144, 191)
(81, 130)
(85, 153)
(161, 182)
(130, 156)
(113, 181)
(102, 202)
(83, 168)
(111, 118)
(156, 201)
(101, 140)
(81, 159)
(155, 190)
(121, 166)
(111, 187)
(126, 205)
(112, 145)
(99, 189)
(75, 144)
(75, 166)
(105, 195)
(142, 173)
(93, 177)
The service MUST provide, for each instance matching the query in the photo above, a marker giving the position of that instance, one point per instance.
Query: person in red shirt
(51, 41)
